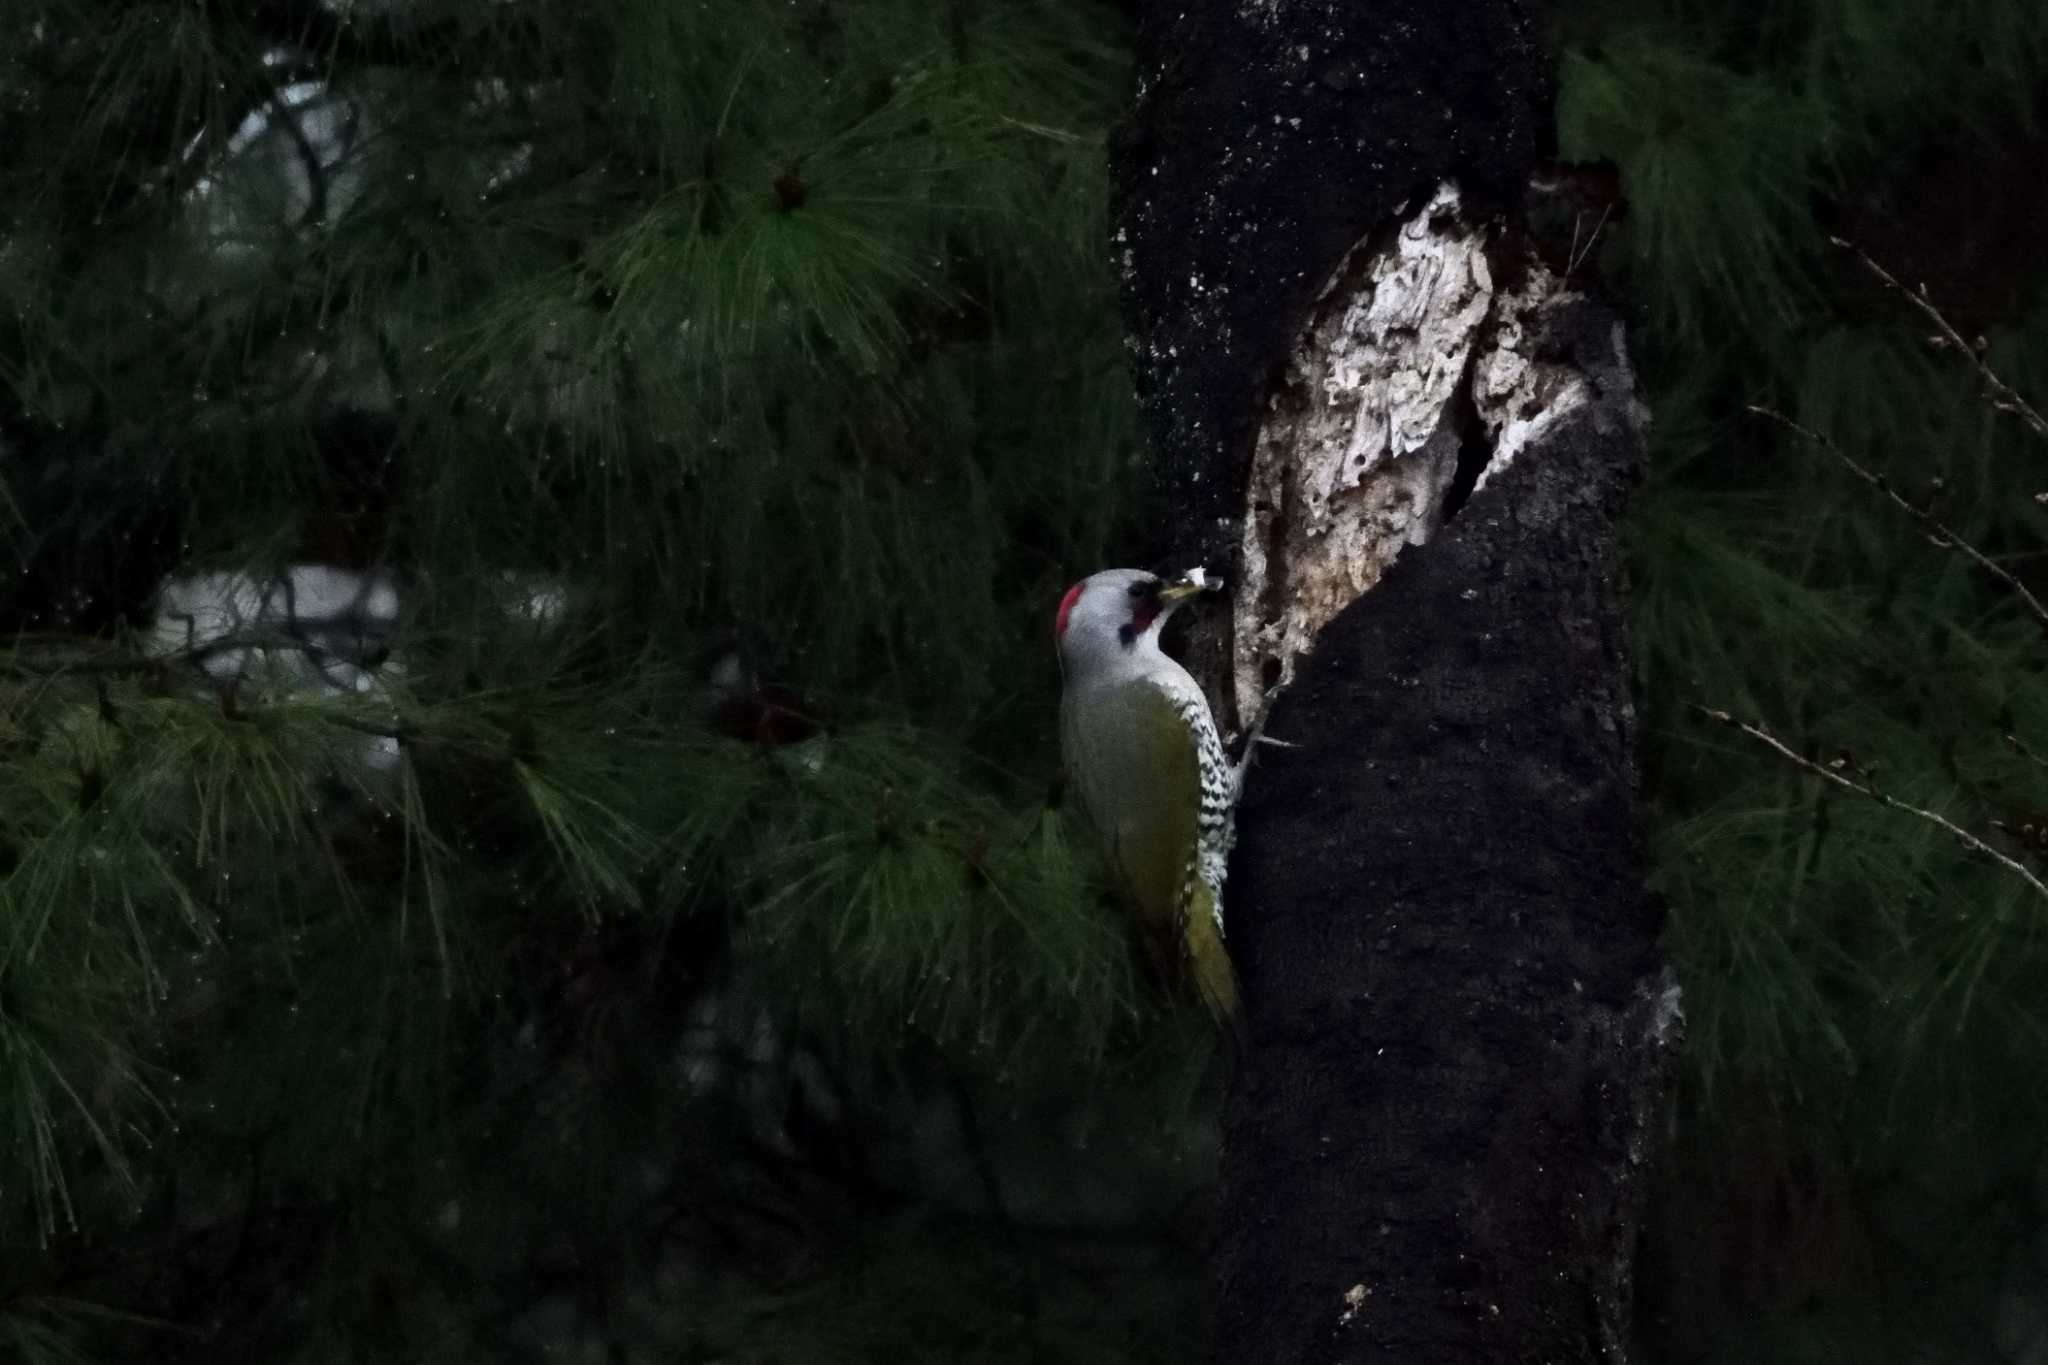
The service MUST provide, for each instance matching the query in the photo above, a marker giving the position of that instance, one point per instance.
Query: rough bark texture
(1435, 1142)
(1268, 137)
(1420, 374)
(1358, 449)
(1459, 1021)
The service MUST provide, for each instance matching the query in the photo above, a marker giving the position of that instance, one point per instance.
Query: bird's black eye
(1145, 587)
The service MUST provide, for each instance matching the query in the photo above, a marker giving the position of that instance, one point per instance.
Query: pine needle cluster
(1863, 987)
(725, 389)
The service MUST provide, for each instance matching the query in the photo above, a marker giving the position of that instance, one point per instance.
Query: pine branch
(1962, 836)
(356, 36)
(1938, 531)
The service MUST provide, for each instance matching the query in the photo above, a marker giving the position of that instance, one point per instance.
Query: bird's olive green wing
(1150, 825)
(1134, 757)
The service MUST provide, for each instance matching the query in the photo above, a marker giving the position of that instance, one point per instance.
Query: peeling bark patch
(1478, 986)
(1356, 448)
(1517, 390)
(1266, 136)
(1410, 356)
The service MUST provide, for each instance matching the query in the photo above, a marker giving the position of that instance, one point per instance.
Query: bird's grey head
(1113, 617)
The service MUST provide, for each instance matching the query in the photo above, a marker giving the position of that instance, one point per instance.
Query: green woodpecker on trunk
(1142, 752)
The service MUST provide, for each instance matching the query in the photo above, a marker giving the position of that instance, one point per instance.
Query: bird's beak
(1193, 583)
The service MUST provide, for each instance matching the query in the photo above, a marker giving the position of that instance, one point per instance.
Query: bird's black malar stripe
(1143, 612)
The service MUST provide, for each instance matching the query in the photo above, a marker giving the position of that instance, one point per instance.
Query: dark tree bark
(1269, 137)
(1361, 372)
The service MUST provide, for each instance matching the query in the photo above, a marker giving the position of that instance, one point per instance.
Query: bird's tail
(1208, 960)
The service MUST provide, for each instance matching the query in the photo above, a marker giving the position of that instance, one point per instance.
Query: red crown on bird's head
(1059, 620)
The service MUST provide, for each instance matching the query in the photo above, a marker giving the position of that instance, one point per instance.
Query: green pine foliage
(774, 347)
(1863, 993)
(778, 345)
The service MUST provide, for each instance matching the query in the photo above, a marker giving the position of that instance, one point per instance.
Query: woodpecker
(1142, 752)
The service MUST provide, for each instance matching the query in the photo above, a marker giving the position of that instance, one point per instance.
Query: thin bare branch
(58, 658)
(1577, 256)
(1941, 533)
(2020, 747)
(51, 663)
(1942, 822)
(2003, 396)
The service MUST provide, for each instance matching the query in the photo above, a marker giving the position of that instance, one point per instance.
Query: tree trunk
(1363, 372)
